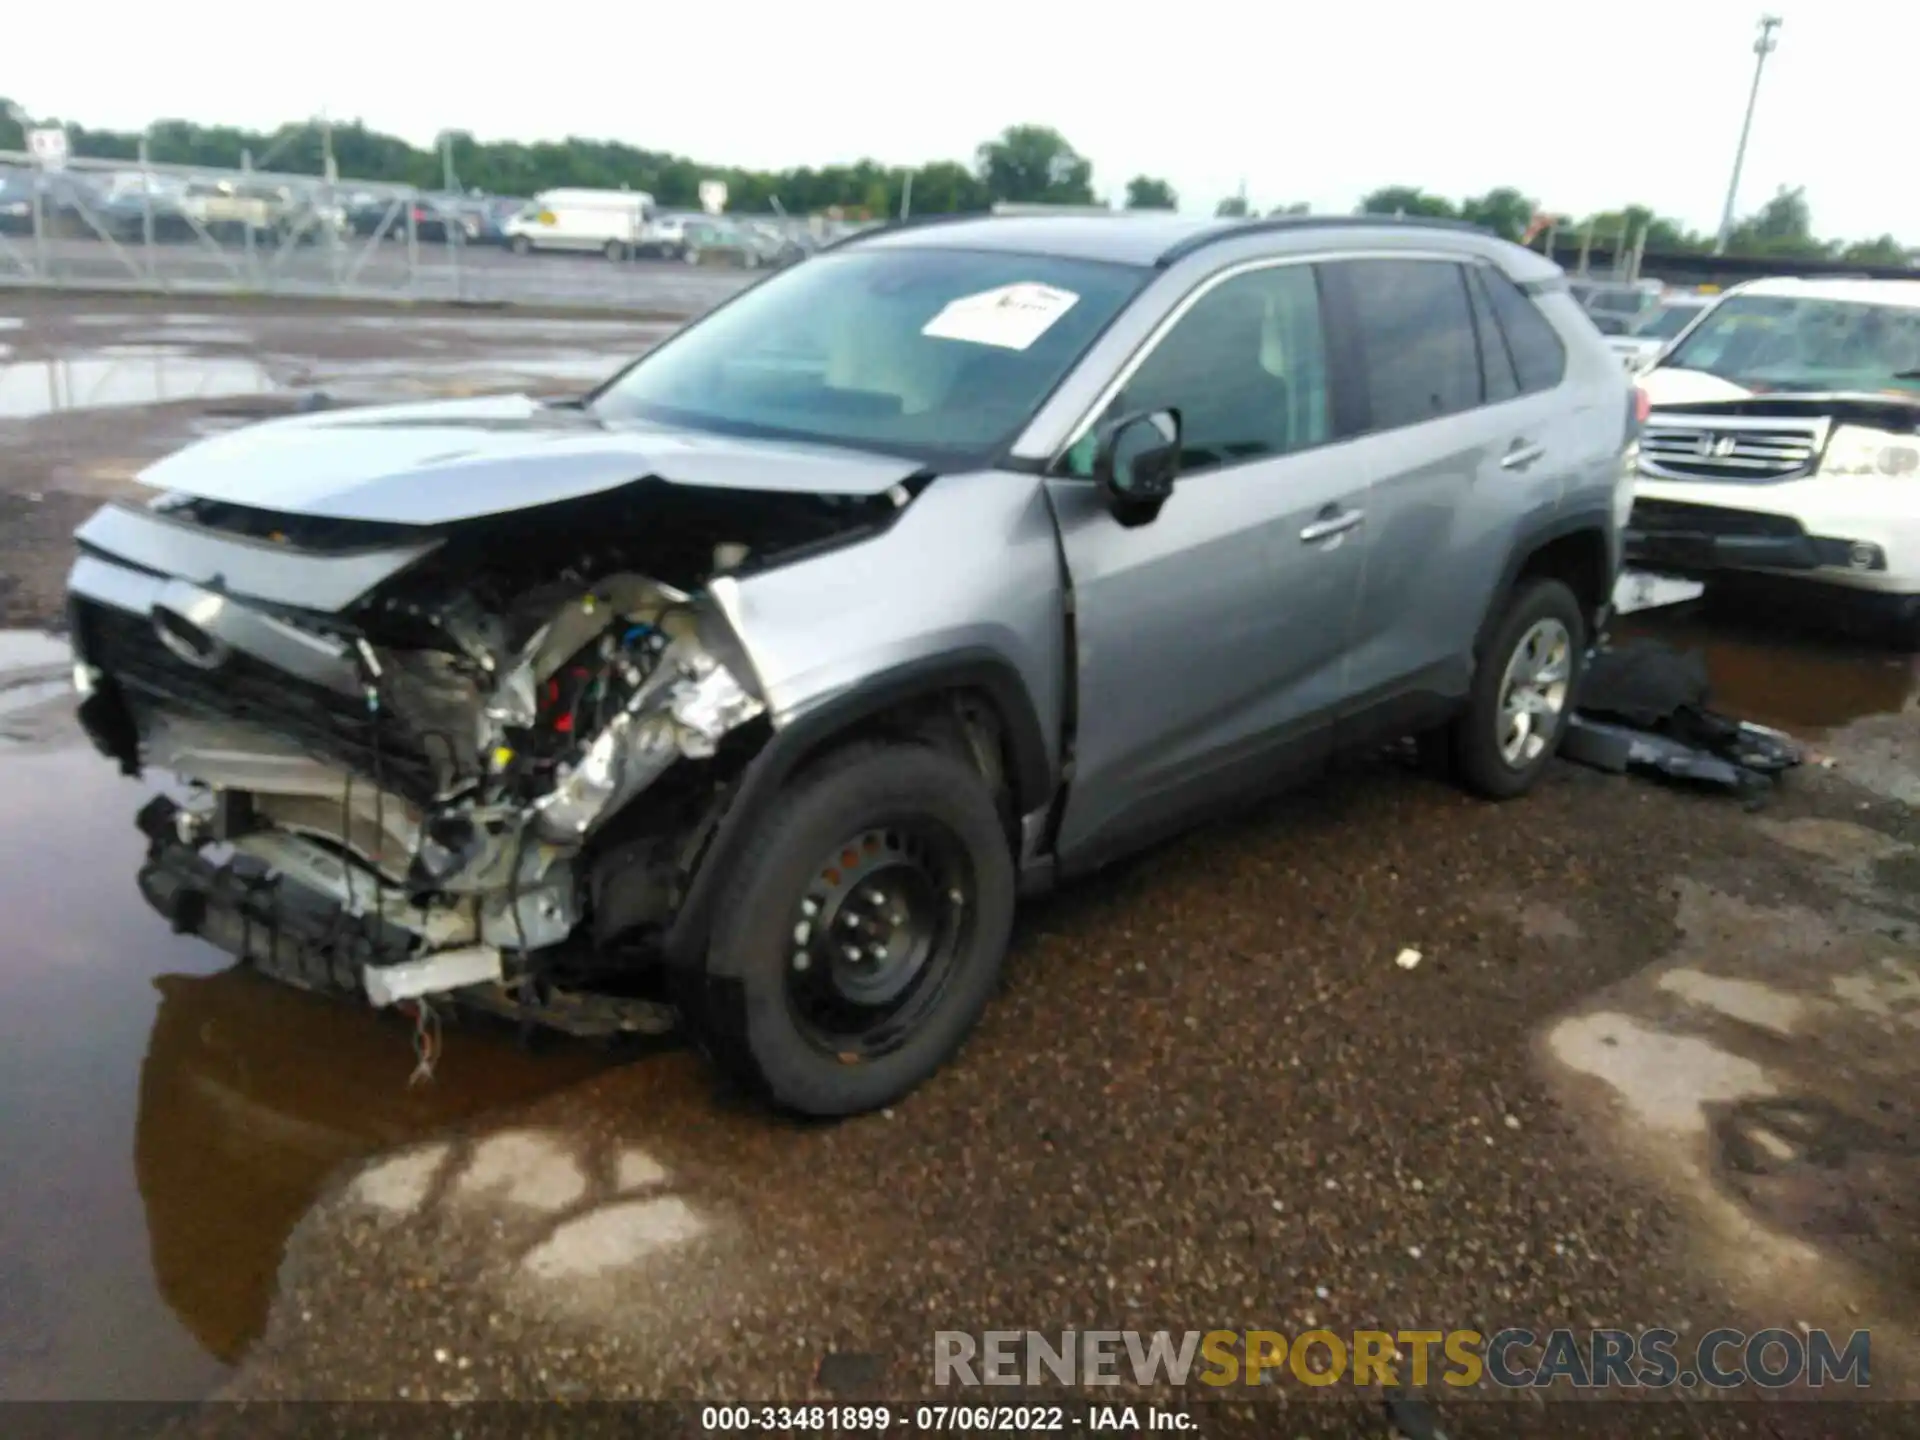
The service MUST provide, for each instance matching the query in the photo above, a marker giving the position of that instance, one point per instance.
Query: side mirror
(1136, 462)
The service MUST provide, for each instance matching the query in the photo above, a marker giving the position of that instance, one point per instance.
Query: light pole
(1763, 46)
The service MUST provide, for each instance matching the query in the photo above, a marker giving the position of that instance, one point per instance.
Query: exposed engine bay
(425, 784)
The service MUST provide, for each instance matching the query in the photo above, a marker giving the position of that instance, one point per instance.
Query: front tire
(1523, 693)
(861, 932)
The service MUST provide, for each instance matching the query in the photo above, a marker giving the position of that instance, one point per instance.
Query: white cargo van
(613, 222)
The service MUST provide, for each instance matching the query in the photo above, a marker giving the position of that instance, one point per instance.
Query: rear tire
(843, 971)
(1523, 693)
(616, 252)
(520, 245)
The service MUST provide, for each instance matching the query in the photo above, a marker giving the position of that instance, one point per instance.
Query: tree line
(1029, 164)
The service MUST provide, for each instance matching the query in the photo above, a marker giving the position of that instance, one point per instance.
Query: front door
(1212, 640)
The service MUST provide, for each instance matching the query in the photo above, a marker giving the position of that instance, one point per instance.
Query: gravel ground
(1208, 1097)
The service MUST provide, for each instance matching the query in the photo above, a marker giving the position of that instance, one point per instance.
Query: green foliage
(1145, 192)
(1407, 200)
(1233, 207)
(1505, 211)
(1034, 165)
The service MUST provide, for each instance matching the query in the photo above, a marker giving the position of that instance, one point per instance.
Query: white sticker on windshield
(1011, 317)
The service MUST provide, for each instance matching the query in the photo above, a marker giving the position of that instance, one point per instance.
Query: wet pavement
(166, 1124)
(1654, 1067)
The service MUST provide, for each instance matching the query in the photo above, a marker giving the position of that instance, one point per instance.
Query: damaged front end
(409, 754)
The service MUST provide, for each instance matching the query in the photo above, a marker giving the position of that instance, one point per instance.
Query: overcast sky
(1317, 104)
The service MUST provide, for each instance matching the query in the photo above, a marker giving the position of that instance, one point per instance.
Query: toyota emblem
(188, 642)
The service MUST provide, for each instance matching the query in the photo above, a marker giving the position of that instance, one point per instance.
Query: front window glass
(941, 354)
(1786, 342)
(1245, 367)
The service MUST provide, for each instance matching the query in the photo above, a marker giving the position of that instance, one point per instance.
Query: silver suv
(752, 688)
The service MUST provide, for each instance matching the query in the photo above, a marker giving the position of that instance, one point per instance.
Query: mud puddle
(169, 1118)
(1800, 680)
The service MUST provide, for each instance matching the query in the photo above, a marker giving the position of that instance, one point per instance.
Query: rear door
(1457, 451)
(1212, 640)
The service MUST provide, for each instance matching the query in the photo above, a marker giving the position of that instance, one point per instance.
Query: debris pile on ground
(1645, 707)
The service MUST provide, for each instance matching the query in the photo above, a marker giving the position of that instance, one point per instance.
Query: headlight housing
(1867, 453)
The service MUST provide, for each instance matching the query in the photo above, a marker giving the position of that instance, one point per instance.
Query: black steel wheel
(861, 932)
(876, 935)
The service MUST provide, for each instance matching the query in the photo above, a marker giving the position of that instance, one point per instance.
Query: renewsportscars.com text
(1722, 1359)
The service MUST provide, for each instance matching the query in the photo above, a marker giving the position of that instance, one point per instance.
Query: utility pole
(446, 163)
(1764, 45)
(906, 196)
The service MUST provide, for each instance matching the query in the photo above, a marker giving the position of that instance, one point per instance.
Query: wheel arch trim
(1030, 767)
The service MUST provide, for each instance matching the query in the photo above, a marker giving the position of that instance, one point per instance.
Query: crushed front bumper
(297, 935)
(275, 924)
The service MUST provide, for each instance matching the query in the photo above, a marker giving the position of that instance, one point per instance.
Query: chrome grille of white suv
(1742, 449)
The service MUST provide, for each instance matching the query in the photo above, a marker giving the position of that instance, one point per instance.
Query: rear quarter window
(1539, 357)
(1416, 336)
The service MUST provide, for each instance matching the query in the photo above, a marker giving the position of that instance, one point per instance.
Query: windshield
(935, 354)
(1667, 322)
(1784, 342)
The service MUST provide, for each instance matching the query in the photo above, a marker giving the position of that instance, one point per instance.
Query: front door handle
(1521, 455)
(1331, 523)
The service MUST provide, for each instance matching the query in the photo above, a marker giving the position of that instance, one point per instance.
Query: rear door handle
(1331, 523)
(1520, 455)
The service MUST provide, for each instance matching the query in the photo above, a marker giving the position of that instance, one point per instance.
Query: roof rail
(911, 222)
(1271, 223)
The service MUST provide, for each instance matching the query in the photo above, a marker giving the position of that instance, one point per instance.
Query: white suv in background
(1784, 441)
(1640, 346)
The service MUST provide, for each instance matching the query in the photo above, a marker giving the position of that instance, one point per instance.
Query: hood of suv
(447, 461)
(1669, 388)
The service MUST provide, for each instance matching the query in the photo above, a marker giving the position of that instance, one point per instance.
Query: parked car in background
(1784, 444)
(613, 222)
(1616, 304)
(716, 240)
(446, 219)
(65, 201)
(375, 212)
(16, 202)
(1639, 345)
(775, 242)
(496, 210)
(233, 209)
(133, 202)
(666, 235)
(696, 694)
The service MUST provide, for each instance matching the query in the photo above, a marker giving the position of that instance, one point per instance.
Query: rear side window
(1416, 339)
(1539, 359)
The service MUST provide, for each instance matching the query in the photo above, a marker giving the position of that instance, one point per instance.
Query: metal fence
(120, 225)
